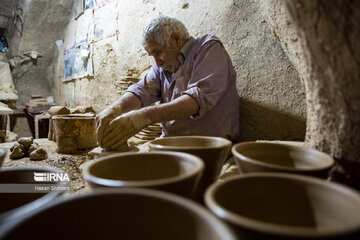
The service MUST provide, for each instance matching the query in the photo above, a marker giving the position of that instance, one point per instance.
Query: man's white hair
(161, 28)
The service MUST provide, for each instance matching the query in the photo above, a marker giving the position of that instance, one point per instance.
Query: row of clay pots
(167, 167)
(168, 171)
(256, 205)
(122, 213)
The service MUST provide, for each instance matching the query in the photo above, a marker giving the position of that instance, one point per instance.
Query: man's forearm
(125, 103)
(180, 108)
(128, 124)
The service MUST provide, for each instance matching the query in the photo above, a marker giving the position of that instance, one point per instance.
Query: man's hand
(120, 129)
(102, 121)
(114, 130)
(125, 103)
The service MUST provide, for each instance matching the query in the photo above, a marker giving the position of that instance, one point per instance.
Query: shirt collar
(184, 51)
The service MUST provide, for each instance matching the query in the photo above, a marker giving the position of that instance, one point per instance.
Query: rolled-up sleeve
(147, 89)
(209, 79)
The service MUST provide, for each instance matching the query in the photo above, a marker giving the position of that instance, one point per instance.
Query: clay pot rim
(241, 157)
(199, 168)
(283, 230)
(224, 143)
(184, 203)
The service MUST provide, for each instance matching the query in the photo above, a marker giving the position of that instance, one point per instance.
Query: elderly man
(193, 79)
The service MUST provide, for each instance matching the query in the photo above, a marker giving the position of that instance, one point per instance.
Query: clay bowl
(274, 157)
(17, 200)
(168, 171)
(2, 156)
(129, 213)
(286, 206)
(212, 150)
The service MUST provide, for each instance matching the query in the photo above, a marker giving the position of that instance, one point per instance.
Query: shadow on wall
(258, 122)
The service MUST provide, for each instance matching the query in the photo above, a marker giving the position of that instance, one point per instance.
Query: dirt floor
(70, 163)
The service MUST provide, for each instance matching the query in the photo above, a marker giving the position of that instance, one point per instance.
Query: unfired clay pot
(168, 171)
(274, 157)
(14, 202)
(2, 156)
(74, 132)
(135, 214)
(212, 150)
(286, 206)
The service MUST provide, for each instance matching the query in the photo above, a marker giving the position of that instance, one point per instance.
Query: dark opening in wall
(3, 43)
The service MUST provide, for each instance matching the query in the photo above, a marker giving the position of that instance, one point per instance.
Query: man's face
(165, 57)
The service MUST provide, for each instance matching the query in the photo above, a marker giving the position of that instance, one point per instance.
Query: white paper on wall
(69, 40)
(85, 28)
(59, 44)
(78, 62)
(101, 3)
(78, 8)
(105, 23)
